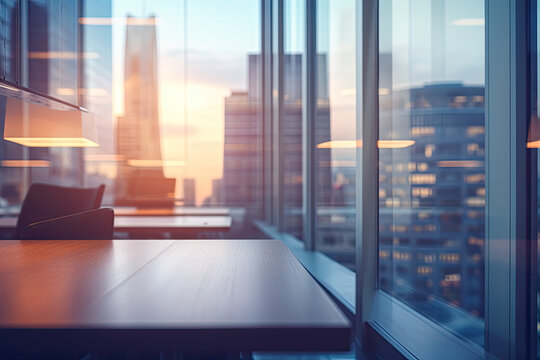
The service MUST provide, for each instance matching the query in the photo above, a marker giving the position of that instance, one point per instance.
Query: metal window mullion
(266, 98)
(533, 178)
(367, 166)
(309, 104)
(277, 125)
(507, 306)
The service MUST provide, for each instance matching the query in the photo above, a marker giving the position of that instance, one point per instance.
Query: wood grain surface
(183, 295)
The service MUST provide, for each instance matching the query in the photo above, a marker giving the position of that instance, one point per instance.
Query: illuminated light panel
(156, 163)
(395, 144)
(533, 144)
(460, 163)
(340, 144)
(52, 142)
(26, 163)
(384, 91)
(469, 22)
(351, 144)
(65, 91)
(39, 126)
(65, 55)
(104, 157)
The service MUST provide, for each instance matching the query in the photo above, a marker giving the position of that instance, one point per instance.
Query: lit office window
(291, 122)
(431, 160)
(335, 129)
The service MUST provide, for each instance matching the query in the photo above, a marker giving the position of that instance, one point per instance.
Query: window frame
(507, 246)
(510, 245)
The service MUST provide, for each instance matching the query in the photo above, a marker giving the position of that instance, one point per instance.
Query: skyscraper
(138, 135)
(241, 186)
(241, 163)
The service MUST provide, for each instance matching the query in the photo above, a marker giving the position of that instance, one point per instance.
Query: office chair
(95, 224)
(45, 201)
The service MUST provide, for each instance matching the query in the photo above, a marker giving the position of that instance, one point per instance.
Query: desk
(178, 226)
(161, 295)
(175, 211)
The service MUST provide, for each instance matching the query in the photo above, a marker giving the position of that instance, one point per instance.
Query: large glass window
(174, 89)
(40, 52)
(335, 130)
(291, 121)
(431, 160)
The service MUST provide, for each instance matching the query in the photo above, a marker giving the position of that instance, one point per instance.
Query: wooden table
(137, 226)
(174, 211)
(163, 295)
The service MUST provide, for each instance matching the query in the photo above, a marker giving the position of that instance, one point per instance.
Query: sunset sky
(220, 36)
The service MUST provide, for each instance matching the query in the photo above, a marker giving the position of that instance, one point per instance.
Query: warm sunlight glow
(351, 144)
(52, 142)
(395, 144)
(65, 91)
(156, 163)
(460, 163)
(104, 157)
(26, 163)
(533, 144)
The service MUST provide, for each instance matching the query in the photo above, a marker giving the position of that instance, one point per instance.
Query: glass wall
(40, 51)
(431, 160)
(335, 129)
(291, 122)
(175, 92)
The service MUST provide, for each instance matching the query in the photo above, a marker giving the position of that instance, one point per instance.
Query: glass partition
(431, 160)
(335, 130)
(291, 122)
(175, 92)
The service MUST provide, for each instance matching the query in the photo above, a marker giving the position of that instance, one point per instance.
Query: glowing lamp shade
(39, 126)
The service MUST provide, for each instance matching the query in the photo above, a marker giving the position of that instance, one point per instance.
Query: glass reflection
(335, 130)
(291, 122)
(432, 189)
(177, 111)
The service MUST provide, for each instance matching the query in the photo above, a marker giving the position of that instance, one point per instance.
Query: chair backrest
(89, 225)
(45, 201)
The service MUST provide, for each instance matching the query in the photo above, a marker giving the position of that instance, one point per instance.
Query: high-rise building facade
(241, 185)
(432, 210)
(141, 176)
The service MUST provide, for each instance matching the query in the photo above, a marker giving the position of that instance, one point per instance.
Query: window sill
(414, 335)
(334, 277)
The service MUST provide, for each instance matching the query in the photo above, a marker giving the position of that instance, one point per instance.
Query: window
(335, 130)
(291, 121)
(431, 160)
(177, 111)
